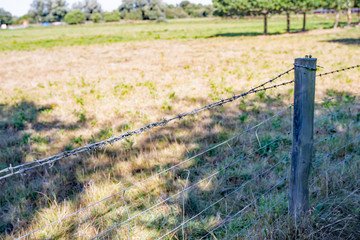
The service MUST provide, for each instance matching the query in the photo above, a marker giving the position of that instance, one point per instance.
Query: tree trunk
(349, 16)
(288, 22)
(304, 22)
(265, 23)
(337, 19)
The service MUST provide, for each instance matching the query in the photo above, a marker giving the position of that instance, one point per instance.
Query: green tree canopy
(57, 10)
(88, 7)
(5, 17)
(147, 9)
(113, 16)
(245, 7)
(48, 10)
(75, 17)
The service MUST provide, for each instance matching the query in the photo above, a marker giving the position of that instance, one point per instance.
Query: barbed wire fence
(189, 209)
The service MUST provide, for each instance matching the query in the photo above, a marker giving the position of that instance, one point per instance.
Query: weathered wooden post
(303, 139)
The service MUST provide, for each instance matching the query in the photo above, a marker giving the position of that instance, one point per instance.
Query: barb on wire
(336, 133)
(172, 167)
(339, 70)
(257, 219)
(99, 145)
(271, 80)
(213, 204)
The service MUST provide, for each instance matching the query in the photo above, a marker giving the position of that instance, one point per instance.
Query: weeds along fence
(255, 178)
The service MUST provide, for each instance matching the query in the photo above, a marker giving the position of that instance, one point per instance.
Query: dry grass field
(60, 98)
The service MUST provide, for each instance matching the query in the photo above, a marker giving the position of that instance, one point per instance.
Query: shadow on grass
(346, 41)
(37, 189)
(22, 140)
(240, 34)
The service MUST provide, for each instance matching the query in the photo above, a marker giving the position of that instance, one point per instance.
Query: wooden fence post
(303, 139)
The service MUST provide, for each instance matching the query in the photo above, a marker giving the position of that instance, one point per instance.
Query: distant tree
(244, 7)
(95, 17)
(287, 6)
(57, 10)
(77, 6)
(88, 7)
(92, 6)
(184, 4)
(143, 9)
(37, 10)
(48, 10)
(265, 8)
(196, 10)
(75, 17)
(5, 17)
(113, 16)
(349, 5)
(338, 6)
(22, 19)
(156, 9)
(227, 8)
(175, 12)
(303, 6)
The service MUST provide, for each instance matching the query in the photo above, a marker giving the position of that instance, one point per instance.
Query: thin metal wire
(334, 134)
(277, 77)
(128, 215)
(338, 149)
(337, 97)
(213, 204)
(307, 67)
(233, 216)
(99, 145)
(330, 168)
(337, 113)
(186, 189)
(257, 219)
(336, 71)
(166, 170)
(195, 184)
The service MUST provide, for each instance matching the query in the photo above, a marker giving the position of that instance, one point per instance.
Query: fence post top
(305, 59)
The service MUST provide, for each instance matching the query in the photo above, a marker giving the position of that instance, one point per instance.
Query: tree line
(230, 8)
(90, 10)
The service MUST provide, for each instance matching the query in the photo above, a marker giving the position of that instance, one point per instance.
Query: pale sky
(21, 7)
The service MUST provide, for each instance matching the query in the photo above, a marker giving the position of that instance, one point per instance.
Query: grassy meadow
(64, 87)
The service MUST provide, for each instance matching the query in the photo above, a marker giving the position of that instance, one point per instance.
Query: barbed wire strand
(195, 184)
(198, 214)
(101, 144)
(275, 115)
(257, 219)
(335, 151)
(275, 78)
(334, 134)
(173, 167)
(339, 70)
